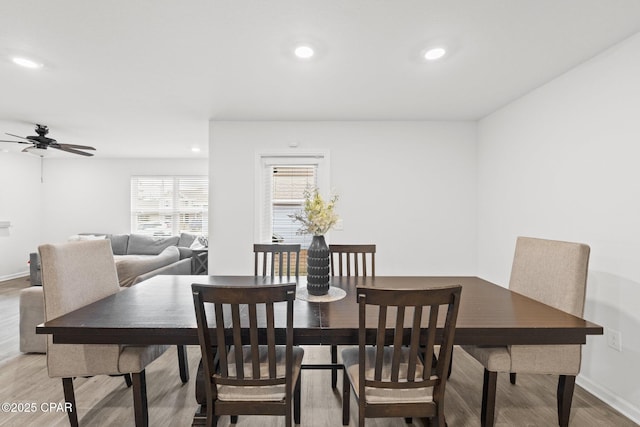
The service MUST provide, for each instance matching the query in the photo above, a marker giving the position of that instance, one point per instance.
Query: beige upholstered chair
(249, 373)
(389, 378)
(74, 275)
(554, 273)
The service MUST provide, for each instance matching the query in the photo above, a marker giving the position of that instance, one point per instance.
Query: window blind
(287, 197)
(169, 205)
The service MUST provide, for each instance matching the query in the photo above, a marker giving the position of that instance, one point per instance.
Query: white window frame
(266, 160)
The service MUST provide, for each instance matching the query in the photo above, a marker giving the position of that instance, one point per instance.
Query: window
(169, 205)
(282, 182)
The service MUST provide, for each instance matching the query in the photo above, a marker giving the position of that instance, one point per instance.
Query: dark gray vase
(318, 267)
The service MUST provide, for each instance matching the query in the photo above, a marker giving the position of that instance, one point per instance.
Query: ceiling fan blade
(15, 136)
(17, 142)
(62, 147)
(82, 147)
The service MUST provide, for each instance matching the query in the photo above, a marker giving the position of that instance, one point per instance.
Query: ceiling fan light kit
(40, 143)
(40, 152)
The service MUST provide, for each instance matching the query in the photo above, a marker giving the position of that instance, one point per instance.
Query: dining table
(160, 310)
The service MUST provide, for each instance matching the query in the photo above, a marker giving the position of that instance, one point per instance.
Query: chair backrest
(244, 316)
(552, 272)
(276, 259)
(414, 305)
(76, 274)
(351, 260)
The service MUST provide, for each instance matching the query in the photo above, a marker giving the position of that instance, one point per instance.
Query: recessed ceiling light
(195, 149)
(434, 53)
(304, 51)
(26, 62)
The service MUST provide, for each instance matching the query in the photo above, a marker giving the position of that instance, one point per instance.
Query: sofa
(137, 258)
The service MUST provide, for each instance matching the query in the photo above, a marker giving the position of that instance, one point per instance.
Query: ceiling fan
(42, 142)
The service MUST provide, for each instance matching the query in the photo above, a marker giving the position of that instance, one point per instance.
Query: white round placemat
(334, 294)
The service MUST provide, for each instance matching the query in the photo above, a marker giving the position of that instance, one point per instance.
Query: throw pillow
(119, 243)
(197, 244)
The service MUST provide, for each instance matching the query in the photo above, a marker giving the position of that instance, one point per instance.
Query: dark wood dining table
(160, 311)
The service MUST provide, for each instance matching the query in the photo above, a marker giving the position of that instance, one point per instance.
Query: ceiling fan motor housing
(41, 141)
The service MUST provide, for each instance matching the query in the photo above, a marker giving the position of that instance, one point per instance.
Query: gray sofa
(137, 258)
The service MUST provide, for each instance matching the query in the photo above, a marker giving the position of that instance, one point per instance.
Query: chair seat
(494, 358)
(380, 395)
(530, 359)
(545, 359)
(260, 393)
(136, 358)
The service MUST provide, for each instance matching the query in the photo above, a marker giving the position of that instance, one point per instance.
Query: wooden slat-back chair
(377, 373)
(250, 374)
(278, 259)
(350, 260)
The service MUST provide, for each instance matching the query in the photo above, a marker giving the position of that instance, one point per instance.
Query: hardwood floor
(10, 316)
(105, 401)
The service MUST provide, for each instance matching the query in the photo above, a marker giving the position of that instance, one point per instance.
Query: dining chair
(555, 273)
(389, 378)
(248, 374)
(276, 259)
(76, 274)
(350, 260)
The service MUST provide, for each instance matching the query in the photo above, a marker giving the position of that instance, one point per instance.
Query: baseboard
(627, 409)
(14, 275)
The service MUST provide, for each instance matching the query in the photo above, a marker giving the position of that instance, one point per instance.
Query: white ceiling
(143, 78)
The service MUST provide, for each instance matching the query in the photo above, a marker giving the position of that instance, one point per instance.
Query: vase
(318, 267)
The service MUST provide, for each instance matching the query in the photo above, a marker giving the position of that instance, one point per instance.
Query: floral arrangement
(317, 217)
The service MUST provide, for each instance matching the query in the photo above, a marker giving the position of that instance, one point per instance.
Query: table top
(160, 311)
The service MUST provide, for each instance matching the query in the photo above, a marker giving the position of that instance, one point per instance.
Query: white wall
(77, 195)
(93, 195)
(20, 203)
(563, 163)
(409, 187)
